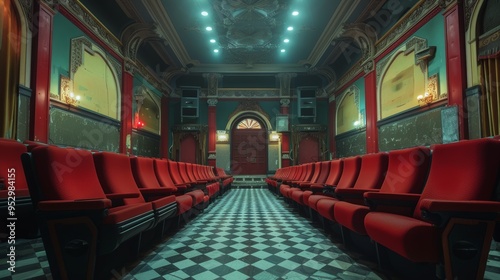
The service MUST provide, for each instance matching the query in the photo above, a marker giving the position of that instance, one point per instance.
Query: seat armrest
(157, 191)
(377, 199)
(439, 212)
(122, 195)
(352, 193)
(74, 205)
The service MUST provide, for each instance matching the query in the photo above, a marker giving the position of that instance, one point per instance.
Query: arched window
(248, 124)
(349, 115)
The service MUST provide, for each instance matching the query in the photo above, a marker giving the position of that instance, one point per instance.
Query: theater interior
(249, 139)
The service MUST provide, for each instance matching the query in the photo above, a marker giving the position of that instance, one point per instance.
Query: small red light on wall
(140, 124)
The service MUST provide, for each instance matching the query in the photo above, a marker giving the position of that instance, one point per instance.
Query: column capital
(212, 102)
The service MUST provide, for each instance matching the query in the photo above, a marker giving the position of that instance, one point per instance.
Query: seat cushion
(351, 215)
(161, 202)
(325, 208)
(122, 213)
(413, 239)
(197, 196)
(297, 196)
(184, 203)
(313, 200)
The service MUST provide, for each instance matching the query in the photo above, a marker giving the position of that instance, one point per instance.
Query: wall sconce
(273, 136)
(70, 98)
(425, 99)
(222, 136)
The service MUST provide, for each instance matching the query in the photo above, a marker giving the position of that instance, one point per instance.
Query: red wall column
(285, 136)
(332, 147)
(127, 116)
(212, 131)
(40, 67)
(455, 62)
(371, 112)
(164, 128)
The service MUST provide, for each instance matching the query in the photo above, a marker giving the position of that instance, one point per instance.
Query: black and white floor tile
(247, 234)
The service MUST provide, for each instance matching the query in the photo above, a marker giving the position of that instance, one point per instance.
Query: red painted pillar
(41, 68)
(371, 112)
(164, 128)
(127, 114)
(285, 136)
(332, 108)
(212, 131)
(455, 62)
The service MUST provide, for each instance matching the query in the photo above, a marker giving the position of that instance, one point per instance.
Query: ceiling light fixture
(290, 28)
(295, 13)
(283, 50)
(204, 13)
(208, 28)
(212, 40)
(286, 40)
(216, 51)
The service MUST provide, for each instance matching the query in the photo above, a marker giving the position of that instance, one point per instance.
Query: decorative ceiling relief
(247, 26)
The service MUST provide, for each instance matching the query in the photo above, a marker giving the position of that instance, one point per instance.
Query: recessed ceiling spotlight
(208, 28)
(212, 40)
(204, 13)
(295, 13)
(216, 51)
(290, 28)
(286, 40)
(283, 50)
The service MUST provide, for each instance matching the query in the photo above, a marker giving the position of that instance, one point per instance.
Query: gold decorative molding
(79, 11)
(433, 86)
(249, 105)
(416, 14)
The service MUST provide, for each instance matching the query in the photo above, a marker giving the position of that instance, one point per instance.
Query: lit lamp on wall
(222, 136)
(274, 136)
(425, 99)
(70, 98)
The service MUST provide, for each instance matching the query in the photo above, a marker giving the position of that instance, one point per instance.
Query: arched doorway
(249, 140)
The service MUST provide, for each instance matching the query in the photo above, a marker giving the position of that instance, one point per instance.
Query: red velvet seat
(321, 171)
(77, 219)
(406, 173)
(163, 176)
(333, 177)
(371, 176)
(14, 189)
(454, 217)
(115, 175)
(306, 173)
(350, 171)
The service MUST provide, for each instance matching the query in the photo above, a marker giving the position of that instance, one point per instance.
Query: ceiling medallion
(250, 31)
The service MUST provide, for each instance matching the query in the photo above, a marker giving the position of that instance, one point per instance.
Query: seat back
(144, 172)
(65, 174)
(372, 172)
(350, 172)
(317, 169)
(115, 174)
(173, 168)
(336, 167)
(11, 166)
(324, 170)
(162, 173)
(464, 171)
(407, 170)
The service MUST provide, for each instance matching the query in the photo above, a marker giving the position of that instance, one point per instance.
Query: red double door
(249, 151)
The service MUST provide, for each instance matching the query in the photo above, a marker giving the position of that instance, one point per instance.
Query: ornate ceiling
(328, 37)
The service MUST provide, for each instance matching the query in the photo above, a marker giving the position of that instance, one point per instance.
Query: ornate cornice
(285, 79)
(285, 102)
(416, 14)
(212, 102)
(92, 23)
(285, 156)
(308, 127)
(27, 7)
(189, 127)
(135, 34)
(468, 9)
(247, 93)
(213, 83)
(444, 4)
(249, 105)
(353, 72)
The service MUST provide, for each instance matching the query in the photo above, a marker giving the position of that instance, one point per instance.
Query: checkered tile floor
(248, 234)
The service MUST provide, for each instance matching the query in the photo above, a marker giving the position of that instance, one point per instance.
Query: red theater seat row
(89, 204)
(428, 207)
